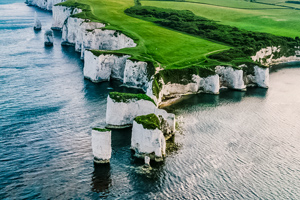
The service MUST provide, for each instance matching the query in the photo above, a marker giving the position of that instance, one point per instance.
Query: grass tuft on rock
(127, 97)
(150, 121)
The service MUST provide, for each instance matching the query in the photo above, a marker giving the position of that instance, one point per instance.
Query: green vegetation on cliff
(150, 121)
(186, 37)
(154, 43)
(128, 97)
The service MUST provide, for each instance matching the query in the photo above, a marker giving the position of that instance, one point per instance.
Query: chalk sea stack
(48, 38)
(37, 23)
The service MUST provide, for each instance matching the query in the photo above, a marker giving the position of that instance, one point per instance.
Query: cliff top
(150, 121)
(128, 97)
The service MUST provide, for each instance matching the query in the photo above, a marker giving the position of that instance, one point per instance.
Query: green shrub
(150, 121)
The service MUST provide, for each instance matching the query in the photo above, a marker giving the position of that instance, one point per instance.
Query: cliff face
(276, 55)
(107, 66)
(169, 90)
(101, 145)
(123, 113)
(135, 74)
(147, 142)
(103, 67)
(88, 35)
(60, 14)
(231, 78)
(43, 4)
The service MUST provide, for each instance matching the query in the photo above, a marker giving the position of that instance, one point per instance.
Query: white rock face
(48, 37)
(145, 142)
(104, 40)
(101, 145)
(135, 74)
(210, 84)
(72, 31)
(104, 67)
(268, 54)
(43, 4)
(261, 76)
(37, 23)
(88, 35)
(122, 114)
(60, 14)
(231, 78)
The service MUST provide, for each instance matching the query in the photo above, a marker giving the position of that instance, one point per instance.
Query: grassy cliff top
(154, 43)
(270, 16)
(150, 121)
(183, 34)
(127, 97)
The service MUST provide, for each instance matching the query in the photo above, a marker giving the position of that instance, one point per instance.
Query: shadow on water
(121, 138)
(278, 67)
(211, 100)
(101, 178)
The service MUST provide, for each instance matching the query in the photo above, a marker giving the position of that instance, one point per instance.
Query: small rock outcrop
(48, 37)
(101, 145)
(147, 138)
(37, 23)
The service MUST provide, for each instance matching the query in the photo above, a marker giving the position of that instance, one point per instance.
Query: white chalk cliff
(136, 74)
(107, 66)
(260, 77)
(43, 4)
(103, 67)
(48, 38)
(60, 14)
(37, 23)
(148, 142)
(123, 113)
(210, 84)
(88, 35)
(101, 145)
(231, 78)
(266, 56)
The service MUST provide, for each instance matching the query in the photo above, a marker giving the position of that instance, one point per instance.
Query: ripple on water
(236, 145)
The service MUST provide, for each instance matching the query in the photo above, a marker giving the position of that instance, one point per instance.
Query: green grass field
(173, 49)
(258, 17)
(169, 48)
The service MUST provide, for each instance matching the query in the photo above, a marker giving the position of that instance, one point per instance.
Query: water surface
(236, 145)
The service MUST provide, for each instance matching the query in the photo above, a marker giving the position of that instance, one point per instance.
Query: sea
(236, 145)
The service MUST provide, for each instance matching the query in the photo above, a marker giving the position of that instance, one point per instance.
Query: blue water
(236, 145)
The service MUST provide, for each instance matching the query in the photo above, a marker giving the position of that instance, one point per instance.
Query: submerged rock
(101, 145)
(48, 38)
(37, 23)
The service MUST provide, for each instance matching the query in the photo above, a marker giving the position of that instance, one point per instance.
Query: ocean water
(236, 145)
